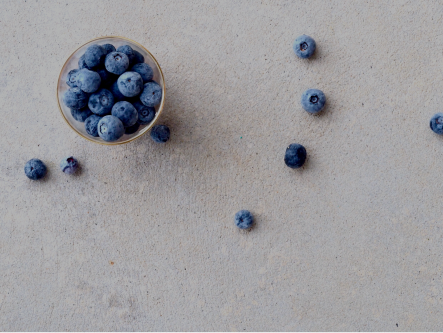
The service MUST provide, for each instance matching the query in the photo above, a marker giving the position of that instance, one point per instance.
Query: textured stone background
(143, 238)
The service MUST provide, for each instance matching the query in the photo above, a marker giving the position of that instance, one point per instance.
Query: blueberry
(313, 100)
(126, 49)
(118, 96)
(160, 133)
(108, 48)
(88, 81)
(437, 123)
(132, 129)
(138, 57)
(69, 165)
(35, 169)
(295, 156)
(126, 112)
(152, 94)
(82, 63)
(130, 84)
(106, 78)
(116, 62)
(75, 98)
(91, 124)
(72, 78)
(101, 102)
(94, 55)
(146, 114)
(244, 219)
(81, 115)
(304, 46)
(144, 70)
(110, 128)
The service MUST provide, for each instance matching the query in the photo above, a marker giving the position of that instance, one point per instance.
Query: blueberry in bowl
(102, 73)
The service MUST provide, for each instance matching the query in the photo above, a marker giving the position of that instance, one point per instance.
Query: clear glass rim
(146, 129)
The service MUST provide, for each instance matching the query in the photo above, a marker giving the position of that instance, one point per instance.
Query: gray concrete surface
(143, 237)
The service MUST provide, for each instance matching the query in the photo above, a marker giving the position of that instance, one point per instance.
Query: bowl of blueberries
(111, 90)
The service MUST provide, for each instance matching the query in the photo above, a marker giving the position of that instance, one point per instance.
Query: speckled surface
(143, 238)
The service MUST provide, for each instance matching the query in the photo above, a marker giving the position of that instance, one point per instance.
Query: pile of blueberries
(113, 93)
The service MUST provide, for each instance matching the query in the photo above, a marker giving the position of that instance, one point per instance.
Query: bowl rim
(162, 102)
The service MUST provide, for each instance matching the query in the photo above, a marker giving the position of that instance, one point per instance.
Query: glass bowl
(72, 63)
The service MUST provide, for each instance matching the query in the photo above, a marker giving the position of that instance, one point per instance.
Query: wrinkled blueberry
(116, 62)
(144, 70)
(72, 78)
(91, 124)
(138, 57)
(126, 112)
(313, 100)
(81, 115)
(110, 128)
(304, 46)
(132, 129)
(35, 169)
(295, 156)
(88, 81)
(151, 94)
(130, 84)
(126, 49)
(69, 165)
(437, 123)
(75, 98)
(244, 219)
(101, 102)
(146, 114)
(108, 48)
(94, 55)
(160, 133)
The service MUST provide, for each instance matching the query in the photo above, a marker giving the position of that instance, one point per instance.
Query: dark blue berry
(94, 55)
(151, 94)
(82, 63)
(130, 84)
(313, 100)
(69, 165)
(35, 169)
(144, 70)
(81, 115)
(118, 96)
(295, 156)
(132, 129)
(110, 128)
(91, 124)
(160, 133)
(106, 78)
(72, 78)
(116, 62)
(244, 219)
(108, 48)
(101, 102)
(126, 49)
(138, 57)
(126, 112)
(437, 123)
(146, 114)
(75, 98)
(88, 81)
(304, 46)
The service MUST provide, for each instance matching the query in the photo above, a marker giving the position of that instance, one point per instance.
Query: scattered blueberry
(138, 57)
(295, 156)
(130, 84)
(108, 48)
(75, 98)
(91, 124)
(118, 96)
(69, 165)
(126, 112)
(110, 128)
(126, 49)
(160, 133)
(116, 62)
(146, 114)
(244, 219)
(152, 94)
(88, 81)
(132, 129)
(35, 169)
(313, 100)
(144, 70)
(81, 115)
(94, 55)
(72, 78)
(101, 102)
(437, 123)
(82, 63)
(304, 46)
